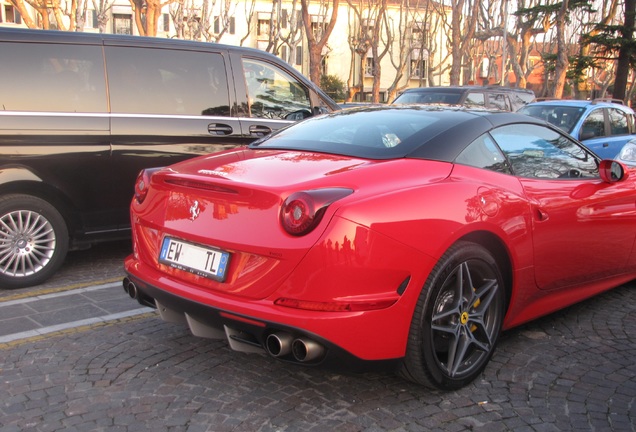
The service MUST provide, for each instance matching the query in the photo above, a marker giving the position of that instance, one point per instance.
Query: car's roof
(54, 36)
(439, 133)
(459, 89)
(582, 103)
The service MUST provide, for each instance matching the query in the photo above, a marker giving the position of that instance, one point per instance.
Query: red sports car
(402, 236)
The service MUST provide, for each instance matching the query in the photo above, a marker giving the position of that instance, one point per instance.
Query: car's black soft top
(418, 131)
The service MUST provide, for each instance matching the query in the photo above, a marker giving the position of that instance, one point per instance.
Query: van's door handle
(260, 130)
(219, 129)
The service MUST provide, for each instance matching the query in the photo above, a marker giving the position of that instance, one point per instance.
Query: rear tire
(33, 241)
(457, 319)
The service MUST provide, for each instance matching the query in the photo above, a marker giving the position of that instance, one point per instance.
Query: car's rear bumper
(254, 333)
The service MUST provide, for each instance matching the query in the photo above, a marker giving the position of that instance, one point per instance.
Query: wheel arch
(34, 186)
(495, 245)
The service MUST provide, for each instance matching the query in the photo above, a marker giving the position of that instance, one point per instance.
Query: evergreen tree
(616, 42)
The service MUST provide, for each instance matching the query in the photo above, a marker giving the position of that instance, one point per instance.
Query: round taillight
(302, 211)
(142, 184)
(298, 213)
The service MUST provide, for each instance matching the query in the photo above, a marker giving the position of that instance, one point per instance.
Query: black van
(490, 97)
(81, 114)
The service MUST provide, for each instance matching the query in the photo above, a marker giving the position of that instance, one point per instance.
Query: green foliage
(610, 40)
(549, 62)
(541, 12)
(333, 86)
(579, 65)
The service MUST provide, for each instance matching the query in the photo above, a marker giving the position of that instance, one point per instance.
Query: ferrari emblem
(194, 210)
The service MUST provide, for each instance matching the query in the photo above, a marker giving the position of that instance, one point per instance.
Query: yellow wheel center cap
(464, 318)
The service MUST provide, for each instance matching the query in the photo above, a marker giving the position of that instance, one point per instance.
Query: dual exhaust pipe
(276, 344)
(302, 350)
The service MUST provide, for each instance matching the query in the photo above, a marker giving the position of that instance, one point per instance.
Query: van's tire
(33, 241)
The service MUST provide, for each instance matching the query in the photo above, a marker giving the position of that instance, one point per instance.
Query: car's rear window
(374, 134)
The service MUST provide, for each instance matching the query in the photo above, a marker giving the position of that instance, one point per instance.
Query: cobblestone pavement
(573, 370)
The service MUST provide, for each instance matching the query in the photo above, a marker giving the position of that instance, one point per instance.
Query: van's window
(499, 101)
(273, 93)
(52, 77)
(160, 81)
(475, 100)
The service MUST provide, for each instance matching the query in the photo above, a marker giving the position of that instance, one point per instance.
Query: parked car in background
(603, 125)
(406, 236)
(345, 105)
(491, 97)
(627, 155)
(81, 114)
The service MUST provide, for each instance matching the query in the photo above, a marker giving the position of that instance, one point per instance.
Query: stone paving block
(572, 370)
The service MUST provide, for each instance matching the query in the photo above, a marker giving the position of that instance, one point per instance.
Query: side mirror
(612, 171)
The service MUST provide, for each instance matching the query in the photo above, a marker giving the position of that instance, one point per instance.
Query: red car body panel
(378, 244)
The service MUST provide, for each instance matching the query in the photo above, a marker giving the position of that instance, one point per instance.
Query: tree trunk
(562, 62)
(626, 52)
(316, 45)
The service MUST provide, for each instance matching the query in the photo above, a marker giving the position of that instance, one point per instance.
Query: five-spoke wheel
(457, 319)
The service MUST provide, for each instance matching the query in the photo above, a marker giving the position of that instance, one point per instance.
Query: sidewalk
(46, 311)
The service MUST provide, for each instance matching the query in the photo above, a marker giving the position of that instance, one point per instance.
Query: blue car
(603, 125)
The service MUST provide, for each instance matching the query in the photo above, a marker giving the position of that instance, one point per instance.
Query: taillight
(302, 211)
(142, 184)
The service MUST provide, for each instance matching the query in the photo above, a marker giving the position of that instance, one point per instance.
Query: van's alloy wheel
(33, 240)
(457, 319)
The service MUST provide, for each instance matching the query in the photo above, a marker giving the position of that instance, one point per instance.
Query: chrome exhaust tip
(134, 293)
(278, 344)
(305, 350)
(131, 289)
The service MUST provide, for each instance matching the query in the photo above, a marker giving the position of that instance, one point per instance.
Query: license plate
(201, 260)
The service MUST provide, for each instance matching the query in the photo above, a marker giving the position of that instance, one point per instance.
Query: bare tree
(223, 21)
(293, 35)
(178, 17)
(102, 9)
(369, 29)
(402, 37)
(45, 9)
(249, 16)
(358, 46)
(318, 35)
(80, 13)
(562, 61)
(460, 31)
(147, 14)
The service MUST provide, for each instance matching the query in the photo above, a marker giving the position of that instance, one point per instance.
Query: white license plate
(203, 261)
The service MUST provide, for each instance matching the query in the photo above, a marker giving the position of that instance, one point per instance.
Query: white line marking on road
(66, 326)
(59, 294)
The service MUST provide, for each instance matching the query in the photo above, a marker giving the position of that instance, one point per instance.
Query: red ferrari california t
(400, 236)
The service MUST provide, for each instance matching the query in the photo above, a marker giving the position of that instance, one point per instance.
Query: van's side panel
(167, 105)
(54, 124)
